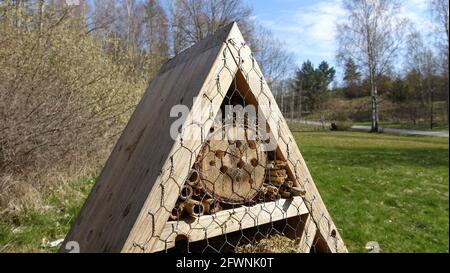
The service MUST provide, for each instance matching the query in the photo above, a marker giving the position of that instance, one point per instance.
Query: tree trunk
(446, 102)
(431, 109)
(374, 94)
(447, 93)
(293, 106)
(300, 104)
(41, 15)
(375, 116)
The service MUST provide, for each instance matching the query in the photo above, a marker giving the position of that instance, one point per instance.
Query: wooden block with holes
(203, 182)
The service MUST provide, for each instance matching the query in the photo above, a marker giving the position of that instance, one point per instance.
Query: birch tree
(371, 35)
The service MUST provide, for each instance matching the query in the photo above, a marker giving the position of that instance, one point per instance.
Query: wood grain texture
(119, 213)
(308, 235)
(232, 220)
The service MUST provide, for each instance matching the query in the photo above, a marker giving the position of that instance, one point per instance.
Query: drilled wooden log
(194, 207)
(288, 183)
(232, 168)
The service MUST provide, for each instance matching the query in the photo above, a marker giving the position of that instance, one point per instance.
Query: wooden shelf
(231, 220)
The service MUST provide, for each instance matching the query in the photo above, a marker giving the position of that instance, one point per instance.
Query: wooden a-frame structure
(130, 204)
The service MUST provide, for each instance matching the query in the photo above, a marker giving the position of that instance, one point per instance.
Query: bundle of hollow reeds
(193, 200)
(278, 184)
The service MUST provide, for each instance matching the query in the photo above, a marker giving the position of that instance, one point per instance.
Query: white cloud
(421, 5)
(309, 31)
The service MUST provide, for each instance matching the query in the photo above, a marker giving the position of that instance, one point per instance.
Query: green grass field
(421, 126)
(389, 189)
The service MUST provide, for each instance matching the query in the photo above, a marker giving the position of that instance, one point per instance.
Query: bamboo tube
(296, 191)
(197, 192)
(194, 207)
(271, 196)
(272, 190)
(263, 189)
(176, 211)
(210, 206)
(285, 194)
(194, 178)
(260, 197)
(276, 181)
(199, 185)
(272, 193)
(217, 207)
(288, 183)
(278, 173)
(278, 163)
(186, 192)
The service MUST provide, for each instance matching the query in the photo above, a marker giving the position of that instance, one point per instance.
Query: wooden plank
(287, 147)
(120, 212)
(308, 235)
(232, 220)
(162, 198)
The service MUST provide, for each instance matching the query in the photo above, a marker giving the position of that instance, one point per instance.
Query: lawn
(423, 126)
(389, 189)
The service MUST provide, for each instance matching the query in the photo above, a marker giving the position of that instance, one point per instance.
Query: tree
(328, 72)
(310, 85)
(156, 35)
(440, 11)
(193, 20)
(400, 92)
(352, 79)
(351, 74)
(63, 99)
(421, 61)
(276, 62)
(371, 36)
(134, 33)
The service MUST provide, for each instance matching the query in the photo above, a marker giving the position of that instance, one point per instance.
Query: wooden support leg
(308, 235)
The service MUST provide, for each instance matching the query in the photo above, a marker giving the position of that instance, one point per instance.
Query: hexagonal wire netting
(237, 194)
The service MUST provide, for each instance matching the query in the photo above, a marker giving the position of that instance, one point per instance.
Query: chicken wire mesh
(237, 193)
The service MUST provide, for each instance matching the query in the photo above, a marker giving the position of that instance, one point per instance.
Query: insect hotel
(203, 189)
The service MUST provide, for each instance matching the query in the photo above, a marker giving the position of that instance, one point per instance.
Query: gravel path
(385, 130)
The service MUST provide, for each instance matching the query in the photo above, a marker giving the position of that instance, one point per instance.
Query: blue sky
(307, 27)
